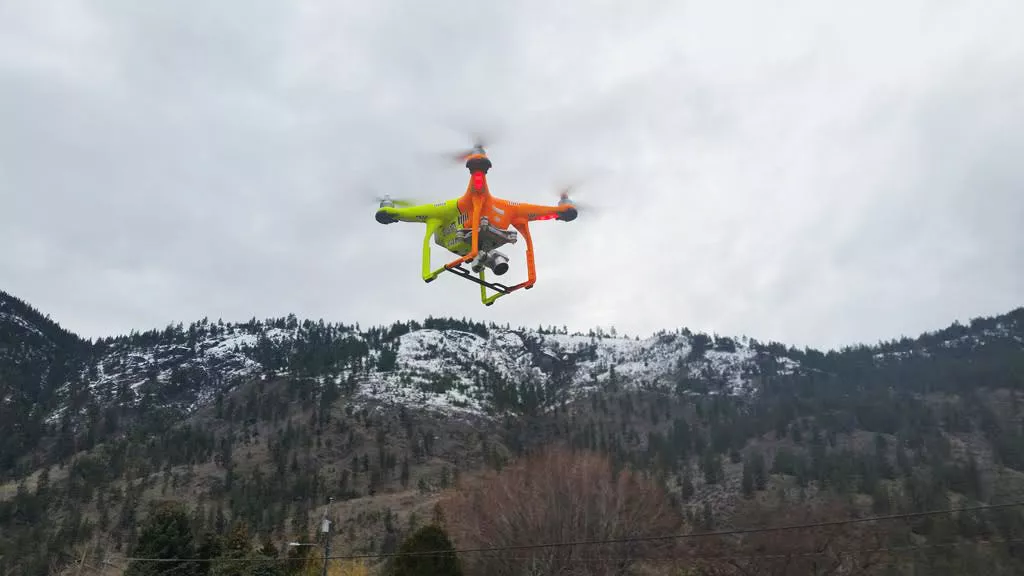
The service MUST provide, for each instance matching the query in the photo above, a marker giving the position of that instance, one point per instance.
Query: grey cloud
(805, 176)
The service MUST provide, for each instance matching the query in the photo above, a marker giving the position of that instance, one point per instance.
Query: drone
(475, 225)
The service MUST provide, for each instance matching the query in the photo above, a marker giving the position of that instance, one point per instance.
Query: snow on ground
(456, 358)
(445, 370)
(19, 321)
(232, 344)
(448, 370)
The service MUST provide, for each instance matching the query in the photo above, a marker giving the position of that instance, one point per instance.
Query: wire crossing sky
(812, 173)
(664, 537)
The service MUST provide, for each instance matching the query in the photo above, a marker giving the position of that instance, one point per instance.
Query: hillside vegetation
(229, 440)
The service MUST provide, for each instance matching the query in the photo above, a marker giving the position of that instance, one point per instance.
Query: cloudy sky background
(813, 173)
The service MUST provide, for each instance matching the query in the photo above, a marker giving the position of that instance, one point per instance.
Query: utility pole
(88, 550)
(325, 528)
(81, 563)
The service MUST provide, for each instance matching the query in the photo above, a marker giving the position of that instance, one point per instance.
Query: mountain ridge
(442, 363)
(262, 420)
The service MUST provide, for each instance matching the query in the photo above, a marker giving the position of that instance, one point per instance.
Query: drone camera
(494, 260)
(497, 262)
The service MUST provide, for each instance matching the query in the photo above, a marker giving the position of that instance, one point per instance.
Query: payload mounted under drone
(475, 225)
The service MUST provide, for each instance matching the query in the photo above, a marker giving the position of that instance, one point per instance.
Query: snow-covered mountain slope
(31, 352)
(456, 369)
(26, 334)
(452, 369)
(447, 365)
(982, 334)
(203, 363)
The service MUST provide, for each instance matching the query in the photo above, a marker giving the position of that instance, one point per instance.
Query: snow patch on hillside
(454, 371)
(20, 322)
(450, 371)
(221, 360)
(442, 369)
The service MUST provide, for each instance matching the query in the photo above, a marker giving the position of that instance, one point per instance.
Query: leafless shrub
(560, 496)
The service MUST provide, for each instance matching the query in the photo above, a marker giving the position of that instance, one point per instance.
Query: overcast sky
(805, 172)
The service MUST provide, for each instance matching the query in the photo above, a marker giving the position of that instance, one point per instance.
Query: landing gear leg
(428, 275)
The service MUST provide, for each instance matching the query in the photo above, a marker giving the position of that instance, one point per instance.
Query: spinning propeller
(386, 200)
(480, 142)
(564, 198)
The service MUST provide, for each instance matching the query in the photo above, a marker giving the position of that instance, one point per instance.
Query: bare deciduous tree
(560, 496)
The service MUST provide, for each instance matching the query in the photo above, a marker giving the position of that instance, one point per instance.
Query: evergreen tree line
(175, 541)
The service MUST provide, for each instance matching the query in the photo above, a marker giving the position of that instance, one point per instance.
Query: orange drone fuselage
(478, 203)
(499, 212)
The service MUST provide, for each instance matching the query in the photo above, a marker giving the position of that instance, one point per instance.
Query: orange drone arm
(531, 270)
(533, 212)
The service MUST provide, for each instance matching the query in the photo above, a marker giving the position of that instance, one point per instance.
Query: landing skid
(501, 289)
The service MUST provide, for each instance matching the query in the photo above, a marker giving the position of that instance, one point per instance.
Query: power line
(730, 532)
(637, 539)
(790, 554)
(781, 555)
(848, 551)
(680, 556)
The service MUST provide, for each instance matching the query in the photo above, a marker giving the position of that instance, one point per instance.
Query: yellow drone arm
(433, 215)
(418, 213)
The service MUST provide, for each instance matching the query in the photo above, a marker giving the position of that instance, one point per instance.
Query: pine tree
(405, 472)
(238, 547)
(760, 471)
(430, 538)
(748, 478)
(167, 534)
(687, 488)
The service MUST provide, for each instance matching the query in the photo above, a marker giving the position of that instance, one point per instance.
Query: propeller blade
(459, 157)
(479, 146)
(398, 202)
(569, 193)
(395, 201)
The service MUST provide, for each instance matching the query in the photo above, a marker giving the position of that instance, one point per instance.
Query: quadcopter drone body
(474, 226)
